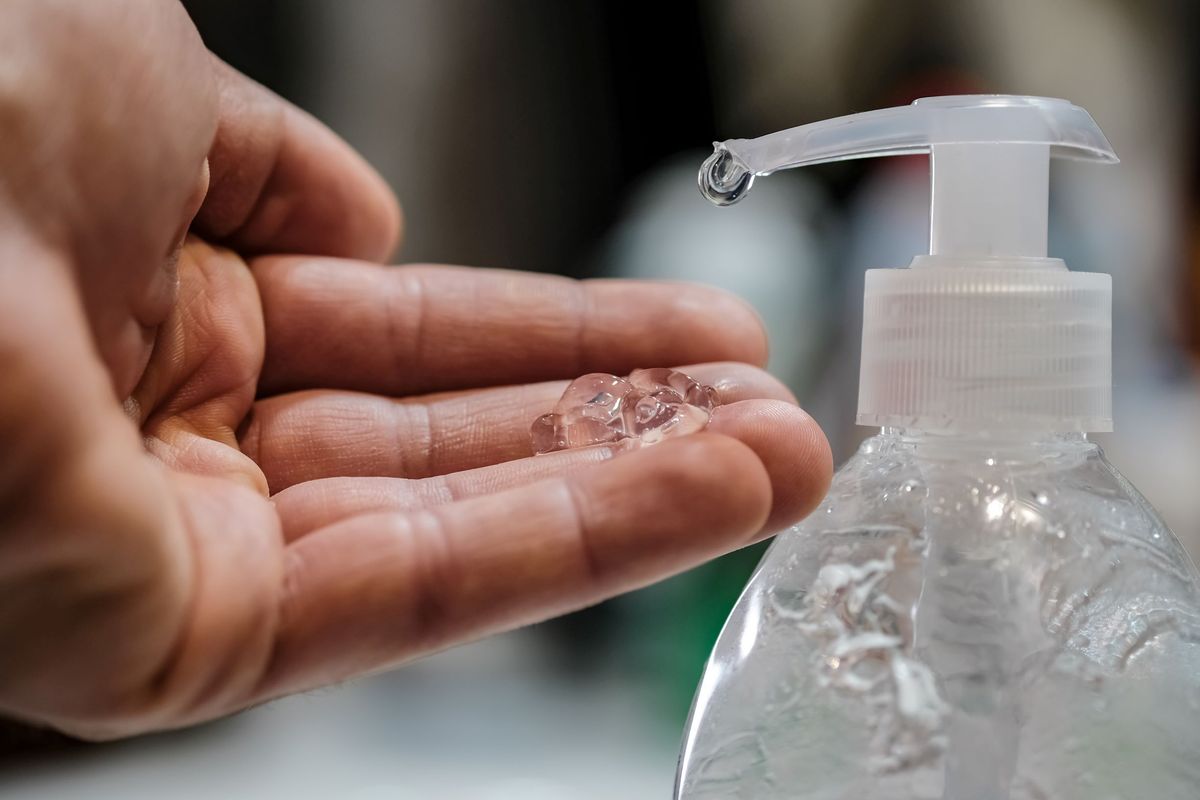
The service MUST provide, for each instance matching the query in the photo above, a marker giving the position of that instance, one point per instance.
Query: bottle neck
(1002, 445)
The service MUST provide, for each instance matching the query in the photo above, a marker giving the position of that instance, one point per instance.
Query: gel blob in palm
(982, 608)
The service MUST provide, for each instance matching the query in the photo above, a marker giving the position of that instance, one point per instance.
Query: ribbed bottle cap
(987, 344)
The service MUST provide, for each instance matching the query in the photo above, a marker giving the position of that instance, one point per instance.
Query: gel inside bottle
(982, 608)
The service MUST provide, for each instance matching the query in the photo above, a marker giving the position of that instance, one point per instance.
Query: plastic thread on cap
(987, 347)
(985, 332)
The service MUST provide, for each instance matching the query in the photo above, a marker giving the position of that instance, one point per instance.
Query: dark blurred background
(565, 137)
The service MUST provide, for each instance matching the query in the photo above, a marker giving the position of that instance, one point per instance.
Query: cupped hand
(245, 461)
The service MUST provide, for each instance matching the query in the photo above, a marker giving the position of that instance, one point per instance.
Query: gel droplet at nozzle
(722, 180)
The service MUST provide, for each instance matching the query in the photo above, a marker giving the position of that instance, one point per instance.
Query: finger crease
(289, 595)
(414, 438)
(446, 489)
(433, 550)
(577, 505)
(582, 316)
(411, 284)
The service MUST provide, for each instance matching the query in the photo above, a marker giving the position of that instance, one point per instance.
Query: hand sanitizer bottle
(982, 608)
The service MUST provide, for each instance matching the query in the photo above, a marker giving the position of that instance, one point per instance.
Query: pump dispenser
(982, 609)
(985, 331)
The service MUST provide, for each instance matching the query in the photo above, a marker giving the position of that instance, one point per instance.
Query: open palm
(226, 476)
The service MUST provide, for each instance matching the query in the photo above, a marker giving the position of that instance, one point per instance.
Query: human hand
(228, 476)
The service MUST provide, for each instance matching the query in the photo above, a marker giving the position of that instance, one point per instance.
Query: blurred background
(565, 137)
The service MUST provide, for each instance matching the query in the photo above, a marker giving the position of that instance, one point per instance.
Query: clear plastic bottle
(982, 608)
(964, 618)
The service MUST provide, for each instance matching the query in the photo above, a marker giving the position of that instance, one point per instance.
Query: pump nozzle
(985, 331)
(989, 159)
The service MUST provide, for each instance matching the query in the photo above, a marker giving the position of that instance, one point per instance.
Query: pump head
(984, 332)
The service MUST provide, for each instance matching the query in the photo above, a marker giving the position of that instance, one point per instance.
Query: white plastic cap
(985, 332)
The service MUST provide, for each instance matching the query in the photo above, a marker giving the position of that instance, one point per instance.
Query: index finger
(337, 324)
(282, 182)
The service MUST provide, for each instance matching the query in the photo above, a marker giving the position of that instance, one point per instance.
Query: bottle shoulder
(1059, 486)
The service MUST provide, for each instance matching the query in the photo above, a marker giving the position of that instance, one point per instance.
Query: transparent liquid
(961, 620)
